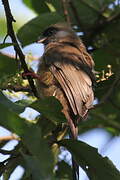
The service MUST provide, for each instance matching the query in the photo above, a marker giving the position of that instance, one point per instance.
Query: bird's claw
(31, 74)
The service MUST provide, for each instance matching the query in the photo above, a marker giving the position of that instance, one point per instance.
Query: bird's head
(58, 33)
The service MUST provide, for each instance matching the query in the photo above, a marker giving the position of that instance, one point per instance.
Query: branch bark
(75, 13)
(11, 33)
(65, 11)
(10, 137)
(17, 88)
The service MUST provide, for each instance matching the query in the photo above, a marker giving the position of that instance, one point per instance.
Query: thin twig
(5, 152)
(13, 56)
(89, 5)
(99, 27)
(5, 38)
(115, 16)
(76, 15)
(114, 104)
(17, 88)
(106, 122)
(65, 11)
(10, 32)
(8, 163)
(108, 94)
(10, 137)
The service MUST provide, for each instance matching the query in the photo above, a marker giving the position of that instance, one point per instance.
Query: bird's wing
(76, 85)
(72, 68)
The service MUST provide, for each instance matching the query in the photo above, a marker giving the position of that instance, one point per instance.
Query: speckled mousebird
(66, 72)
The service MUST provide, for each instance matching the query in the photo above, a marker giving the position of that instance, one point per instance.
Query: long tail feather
(75, 166)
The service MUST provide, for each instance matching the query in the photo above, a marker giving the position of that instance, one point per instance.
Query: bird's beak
(41, 39)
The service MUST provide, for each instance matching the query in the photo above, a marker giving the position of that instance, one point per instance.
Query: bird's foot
(32, 74)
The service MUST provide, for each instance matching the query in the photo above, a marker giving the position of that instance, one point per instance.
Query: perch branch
(11, 33)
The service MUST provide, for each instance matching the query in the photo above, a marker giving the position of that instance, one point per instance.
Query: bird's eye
(50, 31)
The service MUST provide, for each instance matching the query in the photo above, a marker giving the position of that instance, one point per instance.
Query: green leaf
(37, 6)
(97, 4)
(7, 65)
(10, 105)
(11, 121)
(3, 25)
(46, 125)
(90, 13)
(33, 141)
(41, 162)
(57, 5)
(87, 15)
(24, 102)
(36, 145)
(105, 116)
(30, 32)
(4, 45)
(96, 166)
(108, 46)
(105, 56)
(51, 108)
(11, 167)
(104, 86)
(33, 164)
(28, 3)
(64, 171)
(43, 5)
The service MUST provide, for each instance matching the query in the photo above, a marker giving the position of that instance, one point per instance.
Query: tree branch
(5, 152)
(9, 163)
(65, 11)
(89, 5)
(100, 25)
(76, 15)
(17, 88)
(114, 104)
(10, 32)
(115, 16)
(107, 95)
(10, 137)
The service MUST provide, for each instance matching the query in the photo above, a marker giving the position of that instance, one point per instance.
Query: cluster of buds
(103, 76)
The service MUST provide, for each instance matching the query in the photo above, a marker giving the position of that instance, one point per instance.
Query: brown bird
(66, 72)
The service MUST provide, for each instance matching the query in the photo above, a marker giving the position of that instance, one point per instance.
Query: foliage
(39, 142)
